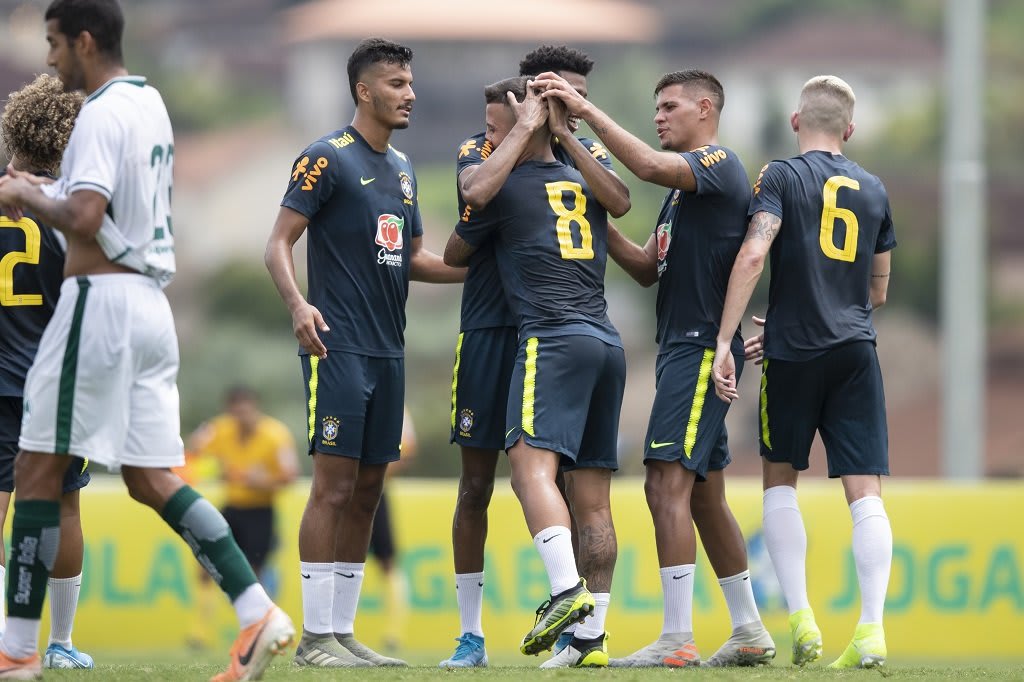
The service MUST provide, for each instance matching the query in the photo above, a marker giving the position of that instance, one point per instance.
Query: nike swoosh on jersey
(247, 656)
(365, 182)
(655, 444)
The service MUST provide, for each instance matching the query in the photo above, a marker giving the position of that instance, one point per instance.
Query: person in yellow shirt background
(256, 458)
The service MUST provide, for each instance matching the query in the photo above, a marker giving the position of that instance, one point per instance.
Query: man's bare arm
(881, 267)
(78, 215)
(639, 262)
(746, 271)
(427, 266)
(458, 251)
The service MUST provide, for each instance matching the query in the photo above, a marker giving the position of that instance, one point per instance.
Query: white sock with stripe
(872, 554)
(786, 540)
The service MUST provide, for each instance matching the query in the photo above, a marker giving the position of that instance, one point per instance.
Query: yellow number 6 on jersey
(30, 256)
(567, 216)
(831, 213)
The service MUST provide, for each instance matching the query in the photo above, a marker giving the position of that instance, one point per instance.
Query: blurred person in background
(694, 242)
(488, 338)
(827, 225)
(255, 457)
(37, 122)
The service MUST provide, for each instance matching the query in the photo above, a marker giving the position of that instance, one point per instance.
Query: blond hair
(37, 123)
(826, 104)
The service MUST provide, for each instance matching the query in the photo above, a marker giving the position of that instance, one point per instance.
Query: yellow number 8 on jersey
(567, 216)
(831, 213)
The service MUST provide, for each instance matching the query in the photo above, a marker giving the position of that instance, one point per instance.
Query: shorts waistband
(116, 279)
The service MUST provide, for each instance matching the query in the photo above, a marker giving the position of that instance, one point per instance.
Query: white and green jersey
(122, 147)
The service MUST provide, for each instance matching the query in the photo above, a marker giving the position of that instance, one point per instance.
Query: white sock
(872, 553)
(251, 605)
(786, 539)
(593, 626)
(317, 596)
(348, 582)
(469, 591)
(63, 604)
(677, 586)
(555, 547)
(3, 599)
(739, 596)
(21, 638)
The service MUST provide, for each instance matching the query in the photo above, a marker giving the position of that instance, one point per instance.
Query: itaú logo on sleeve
(389, 238)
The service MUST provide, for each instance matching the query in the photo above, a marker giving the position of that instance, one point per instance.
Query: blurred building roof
(613, 21)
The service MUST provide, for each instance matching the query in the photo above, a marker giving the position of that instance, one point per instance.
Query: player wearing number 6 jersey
(549, 222)
(103, 382)
(827, 225)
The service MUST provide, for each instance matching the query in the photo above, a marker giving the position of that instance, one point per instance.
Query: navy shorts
(687, 422)
(354, 405)
(565, 396)
(75, 478)
(484, 359)
(840, 395)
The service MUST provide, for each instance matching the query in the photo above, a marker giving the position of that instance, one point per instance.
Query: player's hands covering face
(532, 112)
(558, 118)
(556, 87)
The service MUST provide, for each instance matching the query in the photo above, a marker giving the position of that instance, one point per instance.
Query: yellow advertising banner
(957, 572)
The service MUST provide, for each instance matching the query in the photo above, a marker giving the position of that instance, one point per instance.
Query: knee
(654, 490)
(333, 496)
(475, 493)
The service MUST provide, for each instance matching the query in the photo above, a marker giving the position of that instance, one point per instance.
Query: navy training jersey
(483, 298)
(29, 289)
(551, 238)
(363, 214)
(699, 234)
(835, 218)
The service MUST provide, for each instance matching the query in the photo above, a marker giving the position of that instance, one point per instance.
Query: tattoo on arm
(881, 276)
(601, 130)
(764, 226)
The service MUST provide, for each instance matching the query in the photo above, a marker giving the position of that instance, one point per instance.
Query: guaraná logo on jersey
(664, 240)
(389, 236)
(406, 182)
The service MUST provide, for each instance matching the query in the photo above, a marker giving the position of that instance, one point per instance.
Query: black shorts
(382, 536)
(687, 422)
(253, 528)
(355, 405)
(484, 359)
(840, 395)
(565, 396)
(75, 478)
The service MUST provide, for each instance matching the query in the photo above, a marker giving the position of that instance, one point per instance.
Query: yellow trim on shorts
(455, 374)
(766, 434)
(530, 385)
(314, 379)
(697, 406)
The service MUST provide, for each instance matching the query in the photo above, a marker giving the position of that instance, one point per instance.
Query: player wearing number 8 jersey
(827, 224)
(103, 382)
(549, 222)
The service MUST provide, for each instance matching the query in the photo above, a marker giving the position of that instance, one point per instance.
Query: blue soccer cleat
(469, 654)
(57, 656)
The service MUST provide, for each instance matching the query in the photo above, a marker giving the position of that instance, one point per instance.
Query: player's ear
(849, 131)
(794, 121)
(705, 106)
(362, 92)
(84, 44)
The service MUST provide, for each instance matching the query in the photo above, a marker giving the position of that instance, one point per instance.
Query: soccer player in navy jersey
(549, 223)
(827, 226)
(696, 237)
(486, 348)
(356, 197)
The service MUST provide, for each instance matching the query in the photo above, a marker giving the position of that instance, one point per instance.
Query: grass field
(153, 669)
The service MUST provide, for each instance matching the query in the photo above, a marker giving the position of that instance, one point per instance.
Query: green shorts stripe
(455, 374)
(530, 385)
(697, 406)
(69, 372)
(766, 435)
(314, 379)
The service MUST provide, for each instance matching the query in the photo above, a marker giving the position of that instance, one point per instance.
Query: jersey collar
(137, 81)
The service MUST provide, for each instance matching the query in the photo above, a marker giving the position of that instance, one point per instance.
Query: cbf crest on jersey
(466, 423)
(329, 430)
(389, 238)
(406, 182)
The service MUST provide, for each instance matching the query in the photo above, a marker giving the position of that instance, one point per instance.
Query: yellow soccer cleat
(806, 637)
(867, 650)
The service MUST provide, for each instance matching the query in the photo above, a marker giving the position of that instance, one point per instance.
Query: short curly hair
(37, 123)
(557, 58)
